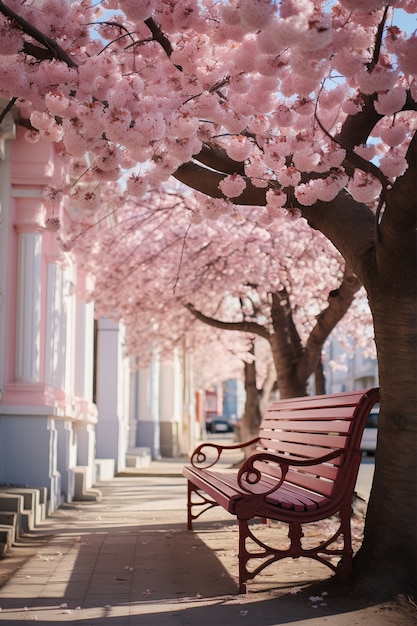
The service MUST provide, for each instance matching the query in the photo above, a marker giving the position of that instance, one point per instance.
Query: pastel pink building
(47, 416)
(72, 411)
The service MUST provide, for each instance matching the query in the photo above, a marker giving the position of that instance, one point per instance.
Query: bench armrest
(250, 476)
(202, 457)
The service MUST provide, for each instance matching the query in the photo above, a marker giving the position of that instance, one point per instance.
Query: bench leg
(190, 490)
(345, 566)
(197, 500)
(243, 555)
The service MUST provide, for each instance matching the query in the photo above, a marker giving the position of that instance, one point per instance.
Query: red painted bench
(303, 468)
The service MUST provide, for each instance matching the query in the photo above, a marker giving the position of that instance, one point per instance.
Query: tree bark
(251, 417)
(388, 557)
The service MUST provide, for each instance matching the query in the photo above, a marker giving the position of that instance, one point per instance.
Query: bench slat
(351, 398)
(299, 442)
(342, 426)
(312, 414)
(327, 471)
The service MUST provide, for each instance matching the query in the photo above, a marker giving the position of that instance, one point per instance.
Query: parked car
(368, 443)
(218, 424)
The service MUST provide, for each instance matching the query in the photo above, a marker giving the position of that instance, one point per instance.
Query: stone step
(6, 539)
(82, 493)
(138, 457)
(105, 469)
(13, 503)
(10, 519)
(32, 513)
(22, 508)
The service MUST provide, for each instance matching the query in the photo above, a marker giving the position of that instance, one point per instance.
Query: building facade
(72, 409)
(47, 416)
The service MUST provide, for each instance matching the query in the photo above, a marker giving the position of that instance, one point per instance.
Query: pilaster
(29, 280)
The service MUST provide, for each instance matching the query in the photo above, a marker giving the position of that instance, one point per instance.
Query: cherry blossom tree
(299, 107)
(152, 266)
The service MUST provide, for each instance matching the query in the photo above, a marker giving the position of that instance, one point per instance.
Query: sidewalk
(129, 560)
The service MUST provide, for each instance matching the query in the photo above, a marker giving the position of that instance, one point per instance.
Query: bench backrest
(313, 426)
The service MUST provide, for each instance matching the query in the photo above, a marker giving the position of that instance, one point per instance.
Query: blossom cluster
(142, 86)
(148, 263)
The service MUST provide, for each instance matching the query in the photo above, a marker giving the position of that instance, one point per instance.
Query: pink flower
(232, 186)
(276, 198)
(392, 101)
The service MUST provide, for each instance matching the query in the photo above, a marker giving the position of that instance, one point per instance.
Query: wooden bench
(302, 469)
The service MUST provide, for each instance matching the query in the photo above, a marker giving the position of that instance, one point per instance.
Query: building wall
(47, 417)
(344, 372)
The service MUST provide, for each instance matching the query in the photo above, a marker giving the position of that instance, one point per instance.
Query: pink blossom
(393, 135)
(59, 104)
(276, 198)
(137, 186)
(391, 101)
(364, 187)
(366, 151)
(10, 41)
(306, 194)
(288, 176)
(284, 116)
(393, 164)
(255, 14)
(239, 148)
(407, 55)
(379, 79)
(232, 186)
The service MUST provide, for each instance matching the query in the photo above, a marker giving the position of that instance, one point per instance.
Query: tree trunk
(319, 379)
(251, 419)
(387, 560)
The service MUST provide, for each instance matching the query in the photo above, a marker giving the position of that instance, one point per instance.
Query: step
(6, 539)
(31, 514)
(10, 519)
(14, 503)
(82, 493)
(138, 457)
(105, 469)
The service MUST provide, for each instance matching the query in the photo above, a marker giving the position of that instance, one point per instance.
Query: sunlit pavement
(129, 559)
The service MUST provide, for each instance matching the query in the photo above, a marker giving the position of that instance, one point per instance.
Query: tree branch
(207, 181)
(243, 327)
(55, 51)
(216, 157)
(7, 108)
(351, 227)
(339, 301)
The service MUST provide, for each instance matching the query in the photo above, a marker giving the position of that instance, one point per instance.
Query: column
(28, 313)
(148, 425)
(170, 408)
(111, 425)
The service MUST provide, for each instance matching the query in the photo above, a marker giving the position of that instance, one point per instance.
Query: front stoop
(138, 457)
(6, 539)
(105, 469)
(82, 493)
(10, 520)
(21, 510)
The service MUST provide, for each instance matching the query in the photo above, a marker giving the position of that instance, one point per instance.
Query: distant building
(233, 398)
(344, 372)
